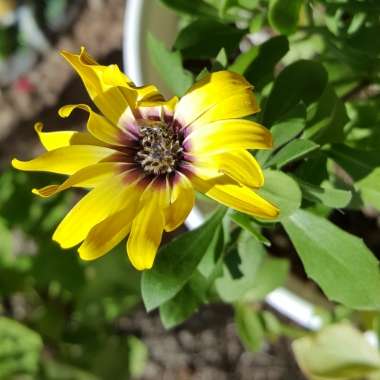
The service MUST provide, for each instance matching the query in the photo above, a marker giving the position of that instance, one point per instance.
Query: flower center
(160, 148)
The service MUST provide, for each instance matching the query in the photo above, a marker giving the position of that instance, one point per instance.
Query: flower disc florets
(160, 148)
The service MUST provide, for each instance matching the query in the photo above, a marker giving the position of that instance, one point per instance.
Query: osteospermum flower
(143, 157)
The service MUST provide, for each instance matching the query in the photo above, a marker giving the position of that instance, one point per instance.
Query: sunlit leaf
(338, 351)
(249, 327)
(281, 190)
(330, 197)
(295, 150)
(246, 222)
(169, 66)
(338, 262)
(249, 272)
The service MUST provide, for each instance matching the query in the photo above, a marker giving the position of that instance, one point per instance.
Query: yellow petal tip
(17, 164)
(38, 127)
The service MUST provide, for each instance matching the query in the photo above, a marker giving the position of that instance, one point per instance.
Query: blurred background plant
(315, 65)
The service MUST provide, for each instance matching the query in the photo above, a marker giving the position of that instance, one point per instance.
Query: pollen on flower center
(160, 148)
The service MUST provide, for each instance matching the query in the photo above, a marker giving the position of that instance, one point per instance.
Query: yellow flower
(143, 157)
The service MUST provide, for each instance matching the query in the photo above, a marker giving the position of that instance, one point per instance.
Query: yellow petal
(93, 208)
(237, 105)
(104, 89)
(238, 197)
(239, 164)
(54, 140)
(226, 135)
(90, 176)
(110, 89)
(65, 160)
(97, 125)
(146, 231)
(182, 201)
(207, 93)
(156, 110)
(111, 231)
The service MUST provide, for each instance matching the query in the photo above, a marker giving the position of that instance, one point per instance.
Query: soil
(206, 347)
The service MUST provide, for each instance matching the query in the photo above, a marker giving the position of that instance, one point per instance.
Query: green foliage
(331, 257)
(295, 150)
(20, 349)
(169, 65)
(176, 263)
(248, 272)
(260, 71)
(249, 327)
(192, 43)
(284, 15)
(198, 8)
(303, 81)
(336, 352)
(330, 197)
(184, 303)
(281, 190)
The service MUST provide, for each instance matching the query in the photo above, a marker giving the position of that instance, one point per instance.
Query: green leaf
(257, 23)
(365, 118)
(113, 359)
(302, 81)
(283, 15)
(286, 130)
(245, 221)
(54, 370)
(338, 262)
(293, 151)
(177, 261)
(357, 163)
(221, 61)
(326, 119)
(330, 197)
(283, 132)
(249, 4)
(184, 304)
(281, 190)
(313, 170)
(20, 349)
(193, 44)
(243, 60)
(249, 272)
(337, 351)
(260, 71)
(192, 8)
(369, 188)
(137, 356)
(249, 327)
(169, 66)
(6, 247)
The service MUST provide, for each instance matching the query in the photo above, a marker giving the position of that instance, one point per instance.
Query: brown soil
(206, 347)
